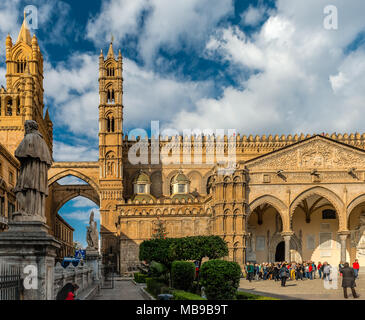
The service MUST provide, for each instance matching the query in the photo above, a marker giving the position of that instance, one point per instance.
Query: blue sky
(260, 67)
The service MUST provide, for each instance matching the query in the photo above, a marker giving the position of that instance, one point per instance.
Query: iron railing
(10, 282)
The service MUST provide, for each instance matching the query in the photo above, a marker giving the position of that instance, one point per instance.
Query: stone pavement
(302, 290)
(123, 290)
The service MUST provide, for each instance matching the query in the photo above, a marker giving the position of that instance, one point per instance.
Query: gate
(10, 282)
(107, 278)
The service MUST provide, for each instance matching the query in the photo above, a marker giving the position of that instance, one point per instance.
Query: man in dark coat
(348, 280)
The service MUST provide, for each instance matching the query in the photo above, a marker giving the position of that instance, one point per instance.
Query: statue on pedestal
(32, 184)
(92, 236)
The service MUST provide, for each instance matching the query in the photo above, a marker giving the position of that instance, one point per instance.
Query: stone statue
(92, 236)
(32, 184)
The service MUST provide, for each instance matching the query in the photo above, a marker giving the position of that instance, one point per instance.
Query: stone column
(287, 237)
(343, 239)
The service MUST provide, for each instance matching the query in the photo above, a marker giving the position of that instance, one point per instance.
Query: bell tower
(110, 143)
(22, 99)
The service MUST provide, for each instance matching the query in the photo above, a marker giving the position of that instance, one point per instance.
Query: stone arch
(276, 239)
(195, 178)
(353, 204)
(77, 174)
(168, 178)
(329, 195)
(77, 191)
(156, 184)
(279, 205)
(205, 180)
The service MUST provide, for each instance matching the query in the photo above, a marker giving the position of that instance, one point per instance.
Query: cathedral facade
(287, 198)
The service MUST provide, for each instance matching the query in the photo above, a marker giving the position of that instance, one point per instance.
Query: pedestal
(93, 260)
(29, 246)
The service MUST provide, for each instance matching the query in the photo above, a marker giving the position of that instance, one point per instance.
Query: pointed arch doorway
(280, 252)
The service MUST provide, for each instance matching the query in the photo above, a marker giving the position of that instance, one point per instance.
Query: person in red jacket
(356, 268)
(310, 269)
(67, 292)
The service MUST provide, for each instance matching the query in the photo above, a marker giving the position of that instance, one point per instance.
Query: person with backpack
(284, 274)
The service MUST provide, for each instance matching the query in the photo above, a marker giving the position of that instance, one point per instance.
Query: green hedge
(249, 296)
(168, 250)
(182, 273)
(183, 295)
(220, 279)
(140, 277)
(154, 286)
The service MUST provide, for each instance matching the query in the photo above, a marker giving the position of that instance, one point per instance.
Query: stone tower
(110, 141)
(22, 99)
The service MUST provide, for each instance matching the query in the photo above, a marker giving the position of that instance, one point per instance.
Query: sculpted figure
(32, 184)
(92, 236)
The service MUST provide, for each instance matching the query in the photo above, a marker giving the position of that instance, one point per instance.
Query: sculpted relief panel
(314, 154)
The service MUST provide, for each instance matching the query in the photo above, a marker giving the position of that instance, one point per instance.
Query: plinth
(28, 245)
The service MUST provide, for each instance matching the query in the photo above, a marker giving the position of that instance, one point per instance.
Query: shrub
(183, 295)
(220, 279)
(154, 286)
(182, 274)
(156, 250)
(140, 277)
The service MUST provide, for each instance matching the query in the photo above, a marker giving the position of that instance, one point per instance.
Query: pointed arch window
(111, 96)
(18, 106)
(20, 66)
(110, 123)
(9, 107)
(110, 72)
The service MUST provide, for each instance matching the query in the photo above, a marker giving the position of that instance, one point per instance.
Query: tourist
(319, 266)
(314, 269)
(326, 270)
(306, 270)
(250, 271)
(348, 280)
(284, 274)
(67, 292)
(340, 267)
(356, 268)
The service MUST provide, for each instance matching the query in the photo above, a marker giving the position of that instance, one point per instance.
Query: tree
(160, 230)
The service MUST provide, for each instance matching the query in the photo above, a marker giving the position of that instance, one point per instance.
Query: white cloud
(300, 80)
(253, 15)
(66, 152)
(166, 23)
(82, 215)
(73, 91)
(82, 202)
(71, 180)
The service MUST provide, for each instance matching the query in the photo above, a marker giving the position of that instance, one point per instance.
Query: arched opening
(356, 225)
(69, 206)
(315, 224)
(264, 227)
(280, 252)
(9, 107)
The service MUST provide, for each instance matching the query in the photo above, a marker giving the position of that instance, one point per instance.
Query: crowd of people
(307, 270)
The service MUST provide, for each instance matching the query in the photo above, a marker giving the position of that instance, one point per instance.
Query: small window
(181, 188)
(141, 188)
(328, 214)
(11, 177)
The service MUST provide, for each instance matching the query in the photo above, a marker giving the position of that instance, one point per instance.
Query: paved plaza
(123, 290)
(302, 290)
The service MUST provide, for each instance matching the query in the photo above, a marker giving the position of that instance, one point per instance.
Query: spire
(47, 118)
(24, 34)
(111, 51)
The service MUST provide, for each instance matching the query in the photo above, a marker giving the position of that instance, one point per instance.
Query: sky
(260, 67)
